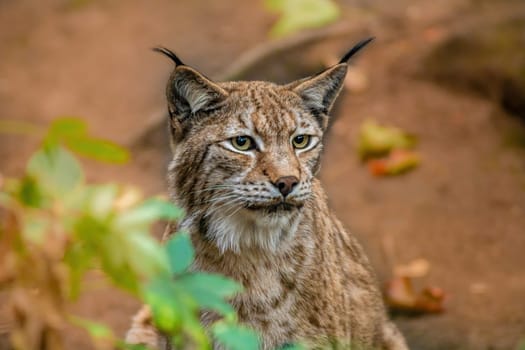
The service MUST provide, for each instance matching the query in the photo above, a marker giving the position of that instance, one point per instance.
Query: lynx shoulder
(245, 159)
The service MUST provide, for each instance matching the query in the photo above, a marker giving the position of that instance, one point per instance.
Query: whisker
(231, 203)
(222, 198)
(211, 188)
(219, 203)
(237, 209)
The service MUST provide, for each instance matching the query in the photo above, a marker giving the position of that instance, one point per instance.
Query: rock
(488, 60)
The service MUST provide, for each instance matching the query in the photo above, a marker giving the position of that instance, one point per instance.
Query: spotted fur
(305, 277)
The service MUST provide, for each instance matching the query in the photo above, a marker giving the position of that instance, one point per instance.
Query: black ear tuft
(170, 54)
(356, 48)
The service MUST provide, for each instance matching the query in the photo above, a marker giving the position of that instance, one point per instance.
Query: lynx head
(245, 153)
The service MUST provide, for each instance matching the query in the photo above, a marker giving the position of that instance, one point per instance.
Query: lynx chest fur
(245, 157)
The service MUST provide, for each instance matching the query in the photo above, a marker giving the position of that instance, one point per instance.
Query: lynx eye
(243, 143)
(301, 141)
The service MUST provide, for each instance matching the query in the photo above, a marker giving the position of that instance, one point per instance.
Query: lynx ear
(320, 91)
(189, 92)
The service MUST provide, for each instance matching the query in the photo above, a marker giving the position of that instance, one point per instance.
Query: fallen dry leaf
(400, 296)
(415, 268)
(377, 140)
(396, 162)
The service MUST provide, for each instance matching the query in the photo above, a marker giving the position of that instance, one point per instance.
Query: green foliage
(235, 337)
(150, 210)
(100, 332)
(56, 228)
(209, 291)
(177, 298)
(95, 329)
(72, 133)
(300, 14)
(180, 253)
(55, 170)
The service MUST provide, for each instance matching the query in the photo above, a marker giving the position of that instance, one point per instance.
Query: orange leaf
(400, 296)
(396, 162)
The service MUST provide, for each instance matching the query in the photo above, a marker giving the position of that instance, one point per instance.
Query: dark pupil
(299, 139)
(241, 140)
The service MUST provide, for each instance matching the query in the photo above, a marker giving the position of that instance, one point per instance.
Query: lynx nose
(286, 184)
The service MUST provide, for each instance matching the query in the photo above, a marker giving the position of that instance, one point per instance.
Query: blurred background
(451, 72)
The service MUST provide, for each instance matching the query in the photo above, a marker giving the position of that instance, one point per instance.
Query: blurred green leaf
(300, 14)
(98, 149)
(95, 329)
(72, 132)
(125, 346)
(149, 211)
(99, 200)
(162, 299)
(79, 259)
(114, 258)
(67, 127)
(274, 5)
(146, 255)
(109, 247)
(122, 276)
(5, 199)
(195, 330)
(235, 337)
(210, 290)
(35, 228)
(180, 253)
(212, 283)
(90, 230)
(56, 170)
(163, 209)
(376, 140)
(29, 193)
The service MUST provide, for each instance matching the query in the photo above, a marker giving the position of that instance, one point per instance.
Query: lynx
(245, 160)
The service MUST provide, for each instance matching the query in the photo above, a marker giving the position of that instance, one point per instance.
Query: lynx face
(259, 158)
(245, 153)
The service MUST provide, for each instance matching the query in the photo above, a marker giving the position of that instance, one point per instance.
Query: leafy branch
(54, 228)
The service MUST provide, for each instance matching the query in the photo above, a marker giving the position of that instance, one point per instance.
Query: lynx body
(245, 157)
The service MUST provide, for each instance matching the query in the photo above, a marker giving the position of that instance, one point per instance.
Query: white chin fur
(250, 229)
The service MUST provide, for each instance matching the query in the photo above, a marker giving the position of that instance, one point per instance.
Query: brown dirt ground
(463, 209)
